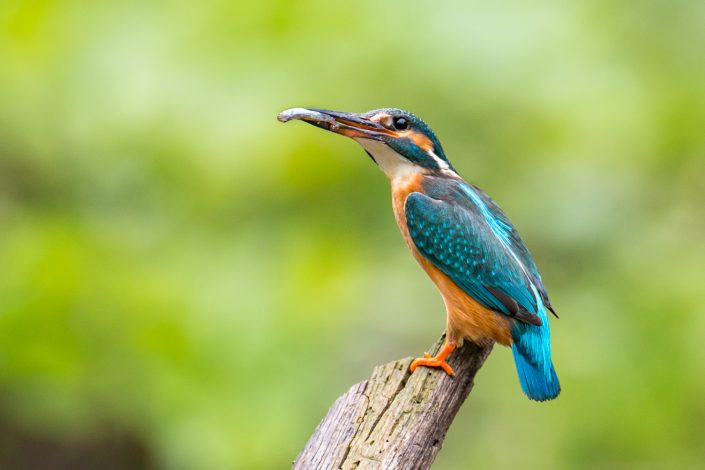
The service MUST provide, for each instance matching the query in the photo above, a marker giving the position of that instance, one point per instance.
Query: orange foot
(438, 361)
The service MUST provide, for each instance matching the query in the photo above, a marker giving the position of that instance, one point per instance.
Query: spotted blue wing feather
(457, 239)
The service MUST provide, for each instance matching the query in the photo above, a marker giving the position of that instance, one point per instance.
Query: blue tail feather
(539, 381)
(532, 357)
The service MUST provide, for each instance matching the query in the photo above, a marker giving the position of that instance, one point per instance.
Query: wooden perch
(394, 420)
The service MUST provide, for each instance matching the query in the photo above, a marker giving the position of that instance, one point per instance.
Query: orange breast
(466, 318)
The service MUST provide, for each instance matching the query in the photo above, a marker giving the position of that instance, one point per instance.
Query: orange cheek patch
(421, 141)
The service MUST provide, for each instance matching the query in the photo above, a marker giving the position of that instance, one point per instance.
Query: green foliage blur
(188, 284)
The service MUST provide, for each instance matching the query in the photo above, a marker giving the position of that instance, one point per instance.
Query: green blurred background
(187, 283)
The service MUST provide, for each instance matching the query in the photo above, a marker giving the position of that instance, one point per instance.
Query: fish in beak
(347, 124)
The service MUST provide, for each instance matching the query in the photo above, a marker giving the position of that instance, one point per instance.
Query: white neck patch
(397, 167)
(442, 164)
(390, 162)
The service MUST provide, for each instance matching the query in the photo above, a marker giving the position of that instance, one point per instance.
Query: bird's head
(398, 141)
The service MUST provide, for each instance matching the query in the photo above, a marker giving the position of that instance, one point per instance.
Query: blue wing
(514, 241)
(458, 233)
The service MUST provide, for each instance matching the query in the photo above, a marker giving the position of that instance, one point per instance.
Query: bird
(490, 285)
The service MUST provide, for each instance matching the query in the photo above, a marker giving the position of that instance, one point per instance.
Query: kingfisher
(489, 282)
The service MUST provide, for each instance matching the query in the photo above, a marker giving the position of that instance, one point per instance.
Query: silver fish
(308, 115)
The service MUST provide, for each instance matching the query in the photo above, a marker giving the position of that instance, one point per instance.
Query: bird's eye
(400, 123)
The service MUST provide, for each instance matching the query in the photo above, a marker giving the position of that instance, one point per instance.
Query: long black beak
(347, 124)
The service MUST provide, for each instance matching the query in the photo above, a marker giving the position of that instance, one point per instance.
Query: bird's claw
(438, 361)
(429, 361)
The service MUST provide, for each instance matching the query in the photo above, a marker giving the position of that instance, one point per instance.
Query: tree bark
(394, 420)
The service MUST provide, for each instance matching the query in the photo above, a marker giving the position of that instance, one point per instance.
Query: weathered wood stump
(394, 420)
